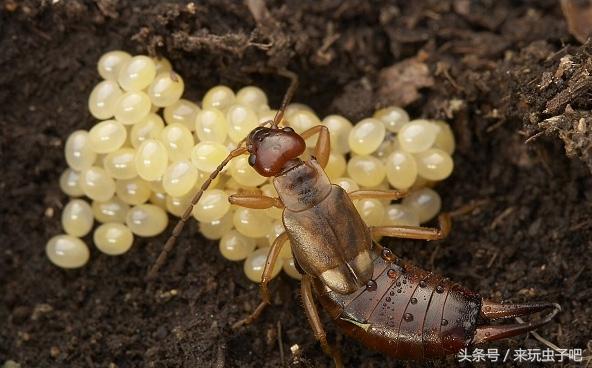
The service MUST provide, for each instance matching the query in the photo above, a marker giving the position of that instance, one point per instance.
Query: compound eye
(254, 133)
(252, 159)
(287, 130)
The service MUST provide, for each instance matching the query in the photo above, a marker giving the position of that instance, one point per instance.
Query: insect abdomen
(406, 312)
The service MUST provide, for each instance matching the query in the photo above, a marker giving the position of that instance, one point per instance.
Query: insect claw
(491, 310)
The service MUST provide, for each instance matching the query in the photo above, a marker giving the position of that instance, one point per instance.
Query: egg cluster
(152, 150)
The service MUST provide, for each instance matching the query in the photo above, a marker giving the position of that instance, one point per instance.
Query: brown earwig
(381, 300)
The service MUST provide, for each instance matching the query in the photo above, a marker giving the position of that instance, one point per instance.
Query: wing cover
(332, 242)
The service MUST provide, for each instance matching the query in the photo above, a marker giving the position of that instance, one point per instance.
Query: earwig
(381, 300)
(409, 313)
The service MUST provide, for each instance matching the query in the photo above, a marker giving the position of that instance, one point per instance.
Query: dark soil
(494, 69)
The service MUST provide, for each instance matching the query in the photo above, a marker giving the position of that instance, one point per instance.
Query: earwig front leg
(416, 232)
(262, 202)
(315, 321)
(322, 149)
(255, 201)
(272, 257)
(378, 194)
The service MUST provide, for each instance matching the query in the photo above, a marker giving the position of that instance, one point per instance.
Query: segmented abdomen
(405, 311)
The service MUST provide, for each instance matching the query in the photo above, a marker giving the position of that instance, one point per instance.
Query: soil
(502, 74)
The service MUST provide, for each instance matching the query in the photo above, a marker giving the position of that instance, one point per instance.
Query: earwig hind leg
(315, 321)
(378, 194)
(416, 232)
(255, 201)
(265, 278)
(491, 310)
(322, 148)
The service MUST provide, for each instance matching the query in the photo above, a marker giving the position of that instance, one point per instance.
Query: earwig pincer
(381, 300)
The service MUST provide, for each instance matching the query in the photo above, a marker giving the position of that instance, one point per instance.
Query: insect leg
(416, 232)
(252, 317)
(272, 258)
(262, 202)
(255, 201)
(322, 149)
(378, 194)
(265, 278)
(315, 321)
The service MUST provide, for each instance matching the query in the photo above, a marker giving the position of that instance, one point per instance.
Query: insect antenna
(170, 243)
(287, 97)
